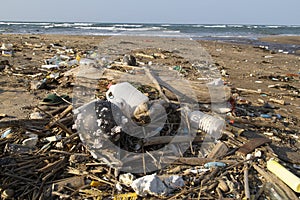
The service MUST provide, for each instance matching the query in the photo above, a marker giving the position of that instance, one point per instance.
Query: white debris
(36, 115)
(31, 141)
(126, 179)
(174, 182)
(119, 187)
(149, 184)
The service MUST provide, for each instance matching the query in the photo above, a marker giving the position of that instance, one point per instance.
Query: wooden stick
(59, 116)
(174, 139)
(246, 182)
(24, 123)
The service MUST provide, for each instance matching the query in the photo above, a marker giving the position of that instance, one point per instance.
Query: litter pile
(145, 122)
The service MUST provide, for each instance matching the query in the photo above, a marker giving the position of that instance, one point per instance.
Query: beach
(263, 86)
(245, 65)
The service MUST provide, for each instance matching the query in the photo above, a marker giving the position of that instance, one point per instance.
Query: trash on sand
(174, 182)
(127, 196)
(285, 175)
(30, 142)
(150, 184)
(126, 179)
(214, 164)
(124, 94)
(210, 124)
(50, 66)
(53, 99)
(54, 138)
(36, 115)
(129, 60)
(6, 133)
(265, 116)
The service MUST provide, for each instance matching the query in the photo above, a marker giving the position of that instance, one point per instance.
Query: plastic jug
(125, 93)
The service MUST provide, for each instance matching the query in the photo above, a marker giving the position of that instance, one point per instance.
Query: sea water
(240, 33)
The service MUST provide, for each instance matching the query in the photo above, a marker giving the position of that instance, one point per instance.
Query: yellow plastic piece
(128, 196)
(78, 57)
(285, 175)
(95, 183)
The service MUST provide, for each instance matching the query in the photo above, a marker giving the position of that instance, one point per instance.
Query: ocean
(241, 33)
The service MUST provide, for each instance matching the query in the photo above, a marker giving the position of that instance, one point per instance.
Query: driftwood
(25, 123)
(173, 139)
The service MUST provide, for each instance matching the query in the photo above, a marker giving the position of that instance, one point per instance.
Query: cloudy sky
(154, 11)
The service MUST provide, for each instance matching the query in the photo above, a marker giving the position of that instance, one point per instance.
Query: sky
(275, 12)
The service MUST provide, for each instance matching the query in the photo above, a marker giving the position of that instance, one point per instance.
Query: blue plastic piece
(6, 133)
(265, 116)
(214, 164)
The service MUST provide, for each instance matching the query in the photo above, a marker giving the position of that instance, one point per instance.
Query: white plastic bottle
(126, 93)
(209, 124)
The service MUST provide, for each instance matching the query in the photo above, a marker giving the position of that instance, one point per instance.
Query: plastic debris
(214, 164)
(126, 179)
(50, 66)
(174, 182)
(211, 125)
(6, 133)
(285, 175)
(149, 184)
(128, 196)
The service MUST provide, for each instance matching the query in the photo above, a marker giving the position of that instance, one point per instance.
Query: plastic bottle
(125, 93)
(210, 124)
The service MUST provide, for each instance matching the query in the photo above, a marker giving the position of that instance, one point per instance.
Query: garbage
(214, 164)
(54, 99)
(129, 60)
(126, 97)
(64, 160)
(286, 176)
(265, 116)
(6, 133)
(36, 115)
(129, 196)
(50, 66)
(126, 179)
(174, 182)
(149, 185)
(211, 125)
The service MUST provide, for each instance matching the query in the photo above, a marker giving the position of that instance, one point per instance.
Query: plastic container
(125, 93)
(210, 124)
(285, 175)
